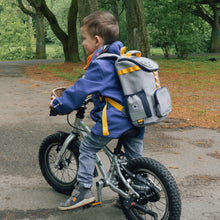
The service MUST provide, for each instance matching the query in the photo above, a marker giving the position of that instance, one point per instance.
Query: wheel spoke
(63, 176)
(67, 170)
(155, 201)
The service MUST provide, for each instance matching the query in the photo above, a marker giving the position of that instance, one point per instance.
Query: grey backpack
(146, 102)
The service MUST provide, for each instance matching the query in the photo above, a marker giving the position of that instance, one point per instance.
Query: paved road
(192, 156)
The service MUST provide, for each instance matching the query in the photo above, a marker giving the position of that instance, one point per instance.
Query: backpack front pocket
(138, 106)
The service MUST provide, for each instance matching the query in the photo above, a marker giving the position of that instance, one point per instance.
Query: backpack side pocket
(162, 102)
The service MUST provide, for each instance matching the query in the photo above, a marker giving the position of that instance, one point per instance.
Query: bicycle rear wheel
(159, 200)
(63, 177)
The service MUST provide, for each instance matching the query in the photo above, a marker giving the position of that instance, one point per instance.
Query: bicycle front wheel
(159, 194)
(63, 177)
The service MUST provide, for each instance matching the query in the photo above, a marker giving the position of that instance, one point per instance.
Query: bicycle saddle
(133, 132)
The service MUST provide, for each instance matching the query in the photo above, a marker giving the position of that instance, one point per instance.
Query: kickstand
(99, 185)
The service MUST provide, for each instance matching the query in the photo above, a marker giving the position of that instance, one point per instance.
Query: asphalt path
(191, 155)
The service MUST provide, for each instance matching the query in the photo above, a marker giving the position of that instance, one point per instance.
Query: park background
(183, 36)
(187, 142)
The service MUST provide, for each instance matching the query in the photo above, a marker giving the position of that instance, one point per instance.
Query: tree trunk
(136, 28)
(85, 8)
(214, 21)
(215, 36)
(40, 36)
(70, 47)
(73, 51)
(114, 8)
(40, 33)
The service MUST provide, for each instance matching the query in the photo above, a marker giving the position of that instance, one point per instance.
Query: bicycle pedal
(87, 206)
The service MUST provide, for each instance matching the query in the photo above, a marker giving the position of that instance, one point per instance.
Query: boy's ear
(99, 40)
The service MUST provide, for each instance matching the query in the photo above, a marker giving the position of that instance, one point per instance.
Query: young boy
(99, 32)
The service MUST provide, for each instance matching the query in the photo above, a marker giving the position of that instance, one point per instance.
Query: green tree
(15, 33)
(172, 25)
(110, 5)
(68, 39)
(40, 32)
(130, 15)
(85, 8)
(209, 11)
(136, 27)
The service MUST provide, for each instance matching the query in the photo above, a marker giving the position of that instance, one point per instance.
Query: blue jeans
(93, 144)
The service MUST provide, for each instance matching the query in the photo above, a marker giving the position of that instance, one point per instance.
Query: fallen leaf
(172, 167)
(167, 146)
(206, 177)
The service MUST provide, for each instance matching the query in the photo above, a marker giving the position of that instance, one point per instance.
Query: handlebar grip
(53, 112)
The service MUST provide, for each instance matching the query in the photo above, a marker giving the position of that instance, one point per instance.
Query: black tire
(166, 203)
(62, 178)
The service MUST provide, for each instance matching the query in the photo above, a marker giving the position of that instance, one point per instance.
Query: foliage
(60, 9)
(54, 51)
(171, 25)
(15, 34)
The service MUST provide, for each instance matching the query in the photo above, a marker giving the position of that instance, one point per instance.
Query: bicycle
(146, 188)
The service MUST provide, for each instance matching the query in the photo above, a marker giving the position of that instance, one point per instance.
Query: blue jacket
(100, 79)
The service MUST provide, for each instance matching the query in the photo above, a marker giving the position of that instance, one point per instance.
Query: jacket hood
(114, 48)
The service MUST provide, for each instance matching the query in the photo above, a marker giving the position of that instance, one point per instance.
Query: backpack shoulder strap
(107, 55)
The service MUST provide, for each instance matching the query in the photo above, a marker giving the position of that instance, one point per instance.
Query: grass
(69, 71)
(54, 51)
(157, 51)
(194, 87)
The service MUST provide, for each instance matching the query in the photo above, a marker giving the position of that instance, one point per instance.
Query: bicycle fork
(62, 151)
(79, 128)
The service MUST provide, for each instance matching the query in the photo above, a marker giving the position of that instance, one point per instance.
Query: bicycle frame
(108, 179)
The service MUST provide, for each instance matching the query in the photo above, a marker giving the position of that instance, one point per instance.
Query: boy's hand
(51, 101)
(53, 111)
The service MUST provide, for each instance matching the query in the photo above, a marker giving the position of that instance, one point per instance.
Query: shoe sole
(82, 203)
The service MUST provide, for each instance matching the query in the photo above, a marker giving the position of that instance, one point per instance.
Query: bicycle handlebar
(54, 112)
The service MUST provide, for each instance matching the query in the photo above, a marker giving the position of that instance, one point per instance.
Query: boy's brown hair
(103, 24)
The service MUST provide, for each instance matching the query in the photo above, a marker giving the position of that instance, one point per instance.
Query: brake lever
(87, 100)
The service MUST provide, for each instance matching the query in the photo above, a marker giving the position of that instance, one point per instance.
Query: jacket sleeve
(74, 96)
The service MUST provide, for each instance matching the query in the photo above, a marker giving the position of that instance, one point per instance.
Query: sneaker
(80, 196)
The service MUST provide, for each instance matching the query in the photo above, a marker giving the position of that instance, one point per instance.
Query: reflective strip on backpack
(128, 70)
(156, 80)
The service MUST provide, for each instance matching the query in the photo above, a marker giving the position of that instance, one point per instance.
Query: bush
(16, 53)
